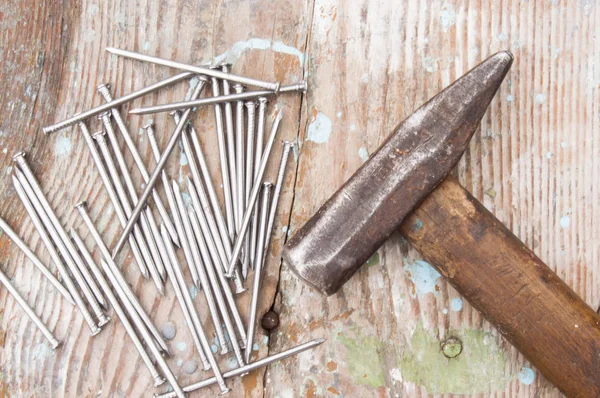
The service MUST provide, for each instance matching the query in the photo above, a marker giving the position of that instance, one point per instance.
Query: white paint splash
(363, 154)
(447, 19)
(456, 304)
(526, 376)
(183, 160)
(181, 346)
(548, 155)
(540, 98)
(430, 64)
(565, 221)
(319, 129)
(63, 146)
(510, 98)
(396, 374)
(423, 276)
(236, 51)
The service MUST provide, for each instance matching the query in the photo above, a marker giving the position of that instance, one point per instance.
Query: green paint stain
(364, 358)
(374, 260)
(478, 369)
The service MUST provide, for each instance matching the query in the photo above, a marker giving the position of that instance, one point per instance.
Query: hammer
(405, 186)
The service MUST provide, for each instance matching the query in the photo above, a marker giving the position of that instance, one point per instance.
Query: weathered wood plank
(372, 64)
(534, 164)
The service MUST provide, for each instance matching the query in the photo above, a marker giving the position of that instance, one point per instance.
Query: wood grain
(533, 164)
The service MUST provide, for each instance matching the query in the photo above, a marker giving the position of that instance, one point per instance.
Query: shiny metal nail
(224, 164)
(183, 238)
(196, 69)
(201, 256)
(221, 289)
(250, 367)
(106, 181)
(184, 105)
(54, 343)
(215, 218)
(86, 256)
(55, 257)
(47, 209)
(249, 179)
(287, 147)
(201, 232)
(154, 262)
(260, 133)
(158, 380)
(196, 260)
(185, 298)
(62, 248)
(186, 305)
(157, 172)
(119, 101)
(12, 235)
(229, 127)
(128, 298)
(267, 187)
(143, 240)
(239, 154)
(161, 246)
(104, 90)
(300, 86)
(254, 196)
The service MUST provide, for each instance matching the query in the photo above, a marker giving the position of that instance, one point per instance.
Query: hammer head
(372, 204)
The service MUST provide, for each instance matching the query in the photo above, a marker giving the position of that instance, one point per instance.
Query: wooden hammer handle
(514, 290)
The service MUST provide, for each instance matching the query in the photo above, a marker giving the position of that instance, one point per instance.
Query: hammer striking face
(421, 151)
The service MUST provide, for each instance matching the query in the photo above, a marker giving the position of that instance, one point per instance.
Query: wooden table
(534, 163)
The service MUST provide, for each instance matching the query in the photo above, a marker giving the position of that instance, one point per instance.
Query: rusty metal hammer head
(371, 205)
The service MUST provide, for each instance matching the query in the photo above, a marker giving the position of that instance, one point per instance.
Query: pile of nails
(219, 247)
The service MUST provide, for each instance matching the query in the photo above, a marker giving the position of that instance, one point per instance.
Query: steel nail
(104, 90)
(158, 380)
(224, 243)
(128, 298)
(143, 240)
(161, 246)
(216, 100)
(264, 209)
(119, 101)
(47, 209)
(224, 164)
(54, 343)
(221, 289)
(106, 181)
(249, 368)
(300, 86)
(154, 262)
(231, 145)
(250, 139)
(186, 305)
(204, 238)
(185, 298)
(196, 69)
(62, 248)
(87, 257)
(254, 196)
(240, 152)
(157, 172)
(287, 147)
(55, 257)
(35, 260)
(260, 133)
(183, 238)
(201, 257)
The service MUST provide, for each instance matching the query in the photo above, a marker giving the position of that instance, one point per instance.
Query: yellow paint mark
(250, 382)
(333, 390)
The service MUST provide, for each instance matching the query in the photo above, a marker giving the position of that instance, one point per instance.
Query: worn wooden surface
(534, 164)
